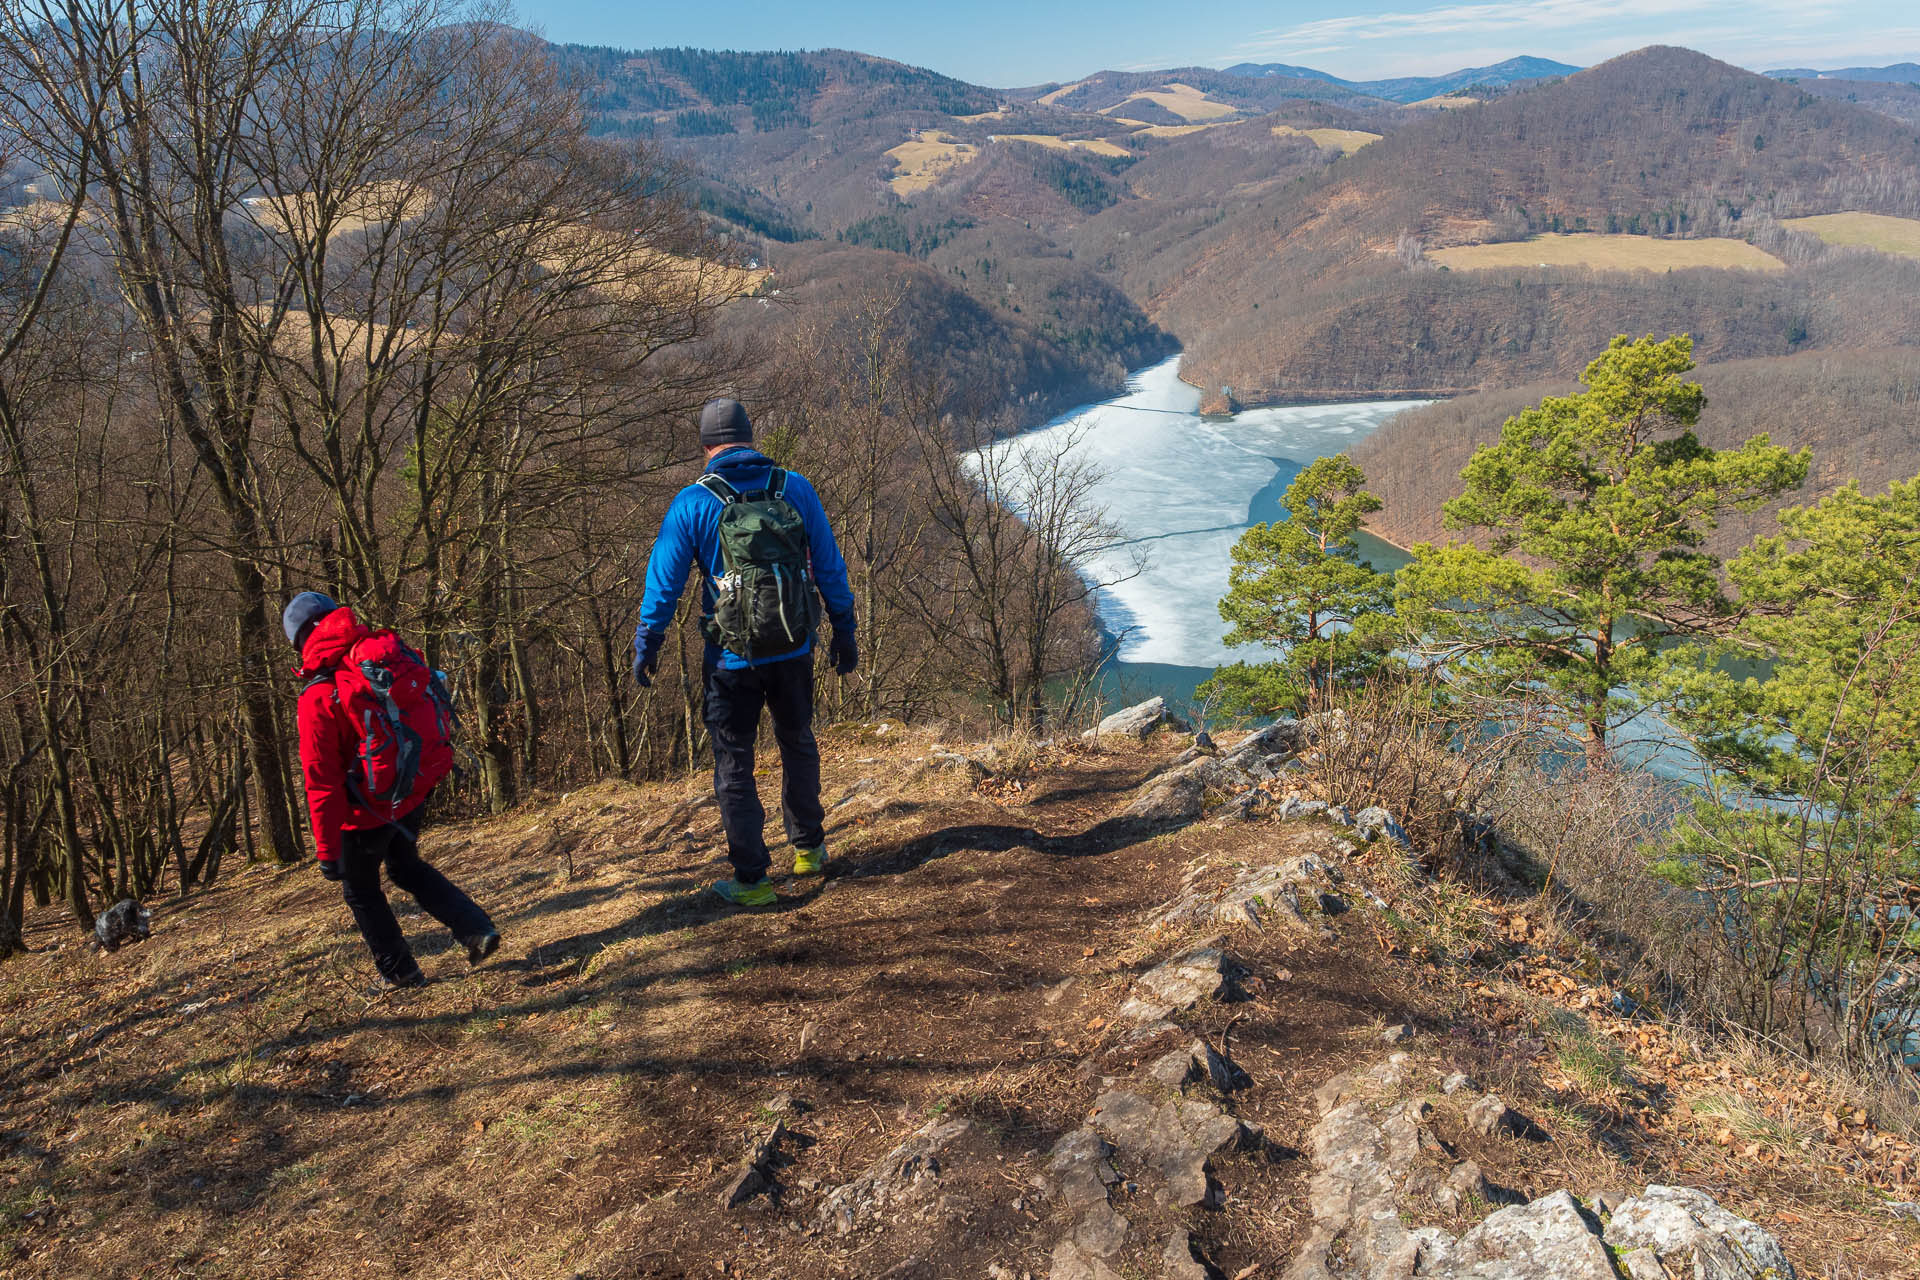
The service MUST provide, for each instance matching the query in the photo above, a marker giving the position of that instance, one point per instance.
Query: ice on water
(1184, 489)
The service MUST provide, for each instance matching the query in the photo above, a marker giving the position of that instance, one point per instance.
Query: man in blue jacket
(738, 687)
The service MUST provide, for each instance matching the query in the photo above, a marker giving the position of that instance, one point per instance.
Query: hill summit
(1057, 1010)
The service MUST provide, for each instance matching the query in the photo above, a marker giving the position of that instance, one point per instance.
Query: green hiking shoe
(758, 894)
(810, 862)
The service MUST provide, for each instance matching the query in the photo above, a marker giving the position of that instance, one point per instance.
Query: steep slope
(968, 1051)
(1663, 142)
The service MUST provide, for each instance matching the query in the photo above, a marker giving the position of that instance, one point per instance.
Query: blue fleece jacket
(690, 535)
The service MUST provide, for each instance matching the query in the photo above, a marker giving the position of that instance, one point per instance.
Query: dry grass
(1899, 236)
(1608, 253)
(376, 204)
(1174, 130)
(1048, 99)
(1348, 140)
(1098, 146)
(1182, 100)
(926, 158)
(1445, 102)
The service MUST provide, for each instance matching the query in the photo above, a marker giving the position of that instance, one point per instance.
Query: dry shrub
(1433, 764)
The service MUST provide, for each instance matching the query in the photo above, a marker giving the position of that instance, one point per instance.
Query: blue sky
(1007, 43)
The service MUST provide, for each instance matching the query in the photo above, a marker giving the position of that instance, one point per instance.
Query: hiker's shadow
(564, 958)
(1110, 835)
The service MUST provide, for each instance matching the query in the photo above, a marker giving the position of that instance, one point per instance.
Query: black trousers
(362, 854)
(734, 703)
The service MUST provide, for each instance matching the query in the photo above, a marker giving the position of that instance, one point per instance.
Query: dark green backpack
(765, 603)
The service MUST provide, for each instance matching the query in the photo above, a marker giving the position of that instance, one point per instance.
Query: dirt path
(224, 1101)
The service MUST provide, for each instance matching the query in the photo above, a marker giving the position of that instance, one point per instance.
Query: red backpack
(403, 718)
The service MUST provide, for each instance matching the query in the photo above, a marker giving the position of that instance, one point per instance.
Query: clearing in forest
(1607, 253)
(1048, 99)
(1348, 140)
(1183, 100)
(926, 158)
(1175, 130)
(1445, 102)
(1098, 146)
(1870, 230)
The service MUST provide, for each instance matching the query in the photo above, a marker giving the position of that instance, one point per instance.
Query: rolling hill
(1325, 289)
(1408, 89)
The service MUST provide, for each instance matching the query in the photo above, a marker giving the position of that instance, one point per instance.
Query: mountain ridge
(1410, 89)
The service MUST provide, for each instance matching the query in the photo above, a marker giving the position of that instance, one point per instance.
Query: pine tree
(1590, 516)
(1299, 585)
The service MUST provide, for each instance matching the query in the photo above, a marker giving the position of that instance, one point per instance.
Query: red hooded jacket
(330, 741)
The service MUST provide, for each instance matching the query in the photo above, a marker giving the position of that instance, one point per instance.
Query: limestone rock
(1139, 720)
(1101, 1232)
(1490, 1116)
(1081, 1165)
(1197, 1062)
(1299, 894)
(1180, 794)
(1178, 1262)
(1175, 1139)
(1372, 823)
(896, 1176)
(1071, 1262)
(1550, 1239)
(1177, 984)
(756, 1173)
(1679, 1231)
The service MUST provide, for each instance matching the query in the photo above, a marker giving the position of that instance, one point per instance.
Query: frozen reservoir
(1183, 488)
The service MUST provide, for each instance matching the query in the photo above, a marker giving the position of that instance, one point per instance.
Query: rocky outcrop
(1174, 1139)
(1378, 1164)
(1139, 721)
(1300, 893)
(1179, 984)
(901, 1174)
(1678, 1231)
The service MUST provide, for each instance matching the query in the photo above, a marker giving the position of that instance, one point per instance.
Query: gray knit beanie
(302, 611)
(723, 421)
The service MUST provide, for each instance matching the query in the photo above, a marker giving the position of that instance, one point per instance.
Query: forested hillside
(1858, 410)
(1325, 289)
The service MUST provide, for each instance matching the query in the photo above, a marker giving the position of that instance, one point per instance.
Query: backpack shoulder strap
(719, 488)
(777, 483)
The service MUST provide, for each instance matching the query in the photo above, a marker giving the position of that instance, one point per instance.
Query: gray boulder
(1175, 1139)
(1679, 1231)
(125, 921)
(1180, 794)
(1178, 984)
(1139, 720)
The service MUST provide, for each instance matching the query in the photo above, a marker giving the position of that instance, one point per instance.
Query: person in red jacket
(356, 738)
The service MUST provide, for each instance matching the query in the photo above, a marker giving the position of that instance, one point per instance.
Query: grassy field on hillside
(1176, 130)
(925, 159)
(1183, 100)
(1607, 253)
(1098, 146)
(1348, 140)
(1870, 230)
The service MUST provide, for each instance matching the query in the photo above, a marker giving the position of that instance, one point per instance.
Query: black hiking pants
(734, 703)
(362, 854)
